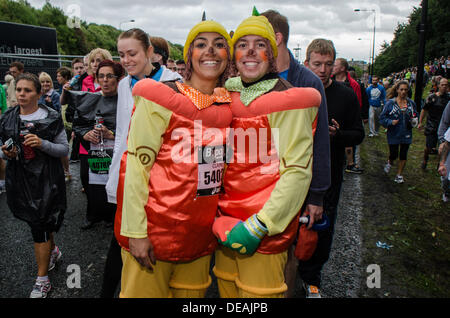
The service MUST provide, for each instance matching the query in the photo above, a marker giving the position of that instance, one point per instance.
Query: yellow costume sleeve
(148, 124)
(294, 145)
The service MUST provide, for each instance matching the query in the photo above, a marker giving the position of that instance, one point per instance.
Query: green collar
(249, 94)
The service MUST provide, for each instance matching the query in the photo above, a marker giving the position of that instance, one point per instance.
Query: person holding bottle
(264, 189)
(97, 138)
(33, 139)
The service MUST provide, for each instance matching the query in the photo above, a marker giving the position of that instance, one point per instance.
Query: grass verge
(411, 217)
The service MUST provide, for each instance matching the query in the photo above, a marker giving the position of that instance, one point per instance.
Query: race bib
(99, 165)
(100, 158)
(210, 169)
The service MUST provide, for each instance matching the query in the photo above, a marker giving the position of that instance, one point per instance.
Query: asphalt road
(80, 273)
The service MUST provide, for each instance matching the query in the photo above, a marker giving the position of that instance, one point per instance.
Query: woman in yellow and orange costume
(265, 185)
(171, 174)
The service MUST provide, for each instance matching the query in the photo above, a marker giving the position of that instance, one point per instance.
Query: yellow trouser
(250, 276)
(167, 280)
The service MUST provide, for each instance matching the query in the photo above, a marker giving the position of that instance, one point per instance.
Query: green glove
(245, 237)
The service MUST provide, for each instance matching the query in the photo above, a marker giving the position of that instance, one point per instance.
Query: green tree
(71, 41)
(176, 51)
(402, 52)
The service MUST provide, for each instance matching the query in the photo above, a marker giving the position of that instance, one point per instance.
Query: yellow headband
(206, 26)
(257, 25)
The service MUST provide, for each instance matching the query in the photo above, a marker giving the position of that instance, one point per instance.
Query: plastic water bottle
(318, 226)
(74, 80)
(28, 152)
(99, 124)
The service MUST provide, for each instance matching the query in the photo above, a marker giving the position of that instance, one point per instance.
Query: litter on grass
(384, 245)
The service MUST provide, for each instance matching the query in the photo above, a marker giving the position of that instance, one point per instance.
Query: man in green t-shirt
(3, 106)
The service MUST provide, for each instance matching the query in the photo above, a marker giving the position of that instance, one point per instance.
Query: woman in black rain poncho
(33, 140)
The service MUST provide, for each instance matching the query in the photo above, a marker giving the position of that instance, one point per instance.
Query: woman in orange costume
(171, 174)
(267, 180)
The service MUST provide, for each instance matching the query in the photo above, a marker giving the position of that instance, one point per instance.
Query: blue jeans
(374, 117)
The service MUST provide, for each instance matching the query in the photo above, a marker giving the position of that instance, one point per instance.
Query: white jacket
(123, 117)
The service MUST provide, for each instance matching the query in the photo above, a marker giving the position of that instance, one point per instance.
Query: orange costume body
(270, 180)
(248, 185)
(177, 209)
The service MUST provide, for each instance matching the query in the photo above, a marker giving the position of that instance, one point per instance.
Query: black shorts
(394, 152)
(431, 141)
(42, 234)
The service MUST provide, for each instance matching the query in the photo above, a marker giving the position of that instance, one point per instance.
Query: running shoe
(2, 189)
(54, 258)
(312, 291)
(399, 179)
(353, 169)
(41, 289)
(387, 167)
(445, 198)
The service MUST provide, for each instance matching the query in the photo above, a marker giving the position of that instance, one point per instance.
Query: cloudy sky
(308, 19)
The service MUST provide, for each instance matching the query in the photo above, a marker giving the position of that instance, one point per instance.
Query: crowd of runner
(132, 127)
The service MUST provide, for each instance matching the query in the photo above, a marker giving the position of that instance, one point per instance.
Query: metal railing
(49, 63)
(46, 57)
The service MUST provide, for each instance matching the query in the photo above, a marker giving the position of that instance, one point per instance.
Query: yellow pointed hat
(256, 25)
(206, 26)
